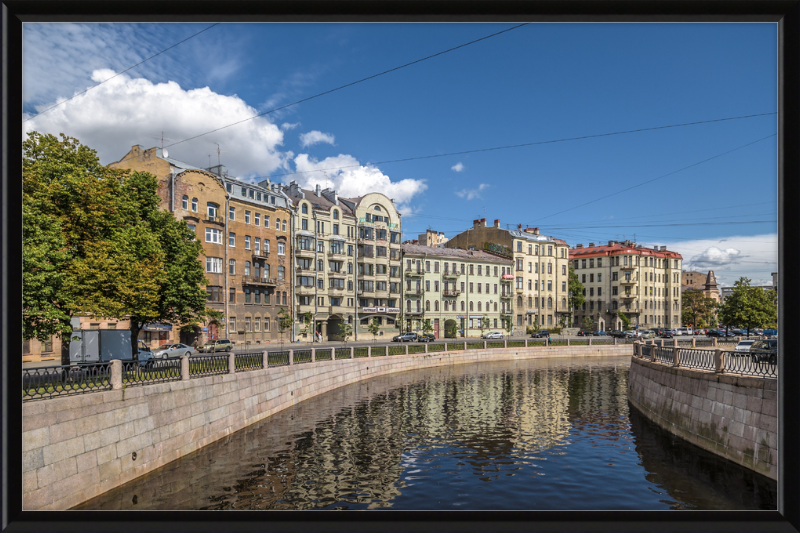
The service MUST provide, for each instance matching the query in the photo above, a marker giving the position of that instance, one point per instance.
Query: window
(247, 242)
(247, 217)
(232, 267)
(304, 209)
(549, 284)
(266, 221)
(185, 202)
(258, 244)
(257, 296)
(232, 240)
(258, 219)
(232, 213)
(247, 296)
(243, 191)
(563, 286)
(194, 205)
(214, 294)
(283, 228)
(213, 235)
(549, 268)
(211, 209)
(563, 270)
(281, 272)
(252, 193)
(247, 268)
(281, 248)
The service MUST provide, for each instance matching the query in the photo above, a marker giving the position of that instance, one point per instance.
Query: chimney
(330, 195)
(318, 190)
(497, 223)
(476, 223)
(591, 245)
(519, 227)
(536, 231)
(483, 222)
(663, 248)
(655, 248)
(611, 243)
(578, 246)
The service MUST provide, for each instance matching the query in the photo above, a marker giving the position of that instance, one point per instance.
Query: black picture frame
(14, 12)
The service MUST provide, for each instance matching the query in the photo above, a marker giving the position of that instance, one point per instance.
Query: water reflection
(538, 434)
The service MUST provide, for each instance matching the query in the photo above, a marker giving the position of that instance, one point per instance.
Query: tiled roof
(320, 202)
(619, 249)
(454, 253)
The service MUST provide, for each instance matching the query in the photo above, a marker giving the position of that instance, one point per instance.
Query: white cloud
(471, 194)
(458, 167)
(126, 111)
(314, 137)
(754, 257)
(287, 126)
(356, 180)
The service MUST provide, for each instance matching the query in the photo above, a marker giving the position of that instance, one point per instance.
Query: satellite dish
(166, 154)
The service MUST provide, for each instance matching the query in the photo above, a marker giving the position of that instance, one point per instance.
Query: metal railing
(248, 361)
(697, 359)
(153, 371)
(360, 352)
(377, 351)
(302, 356)
(342, 353)
(53, 381)
(278, 358)
(750, 364)
(416, 348)
(208, 365)
(323, 354)
(664, 355)
(436, 347)
(396, 350)
(495, 344)
(731, 362)
(474, 346)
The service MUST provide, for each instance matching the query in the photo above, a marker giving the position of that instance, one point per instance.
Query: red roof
(620, 249)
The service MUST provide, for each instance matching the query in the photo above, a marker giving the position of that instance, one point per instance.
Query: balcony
(215, 219)
(628, 282)
(337, 253)
(253, 280)
(414, 312)
(451, 274)
(260, 254)
(506, 296)
(365, 255)
(627, 296)
(305, 269)
(305, 289)
(414, 292)
(339, 309)
(304, 252)
(415, 273)
(451, 293)
(629, 267)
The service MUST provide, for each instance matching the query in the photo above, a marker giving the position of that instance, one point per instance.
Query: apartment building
(378, 266)
(455, 289)
(540, 278)
(245, 229)
(325, 241)
(643, 283)
(431, 238)
(707, 283)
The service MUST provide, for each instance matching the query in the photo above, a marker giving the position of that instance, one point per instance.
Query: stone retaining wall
(78, 447)
(730, 415)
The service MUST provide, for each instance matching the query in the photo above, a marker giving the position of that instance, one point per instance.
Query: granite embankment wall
(731, 415)
(78, 447)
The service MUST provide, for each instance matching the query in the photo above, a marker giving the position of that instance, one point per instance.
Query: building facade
(642, 283)
(325, 241)
(461, 292)
(245, 229)
(431, 238)
(707, 283)
(539, 282)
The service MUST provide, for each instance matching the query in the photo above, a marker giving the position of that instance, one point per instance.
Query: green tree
(85, 252)
(588, 323)
(284, 321)
(576, 291)
(748, 307)
(484, 323)
(400, 320)
(509, 326)
(181, 296)
(626, 322)
(305, 322)
(374, 328)
(696, 308)
(345, 330)
(427, 327)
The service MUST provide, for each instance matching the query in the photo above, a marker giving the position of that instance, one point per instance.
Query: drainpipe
(225, 266)
(355, 285)
(292, 243)
(316, 232)
(172, 192)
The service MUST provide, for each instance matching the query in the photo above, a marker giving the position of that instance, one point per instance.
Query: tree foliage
(374, 328)
(345, 330)
(626, 322)
(427, 327)
(588, 323)
(697, 309)
(576, 290)
(749, 307)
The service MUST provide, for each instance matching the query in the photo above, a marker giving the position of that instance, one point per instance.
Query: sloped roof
(453, 253)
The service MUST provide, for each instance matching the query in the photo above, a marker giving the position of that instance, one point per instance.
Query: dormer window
(304, 209)
(335, 214)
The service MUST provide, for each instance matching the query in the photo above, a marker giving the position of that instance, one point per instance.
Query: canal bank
(731, 415)
(76, 448)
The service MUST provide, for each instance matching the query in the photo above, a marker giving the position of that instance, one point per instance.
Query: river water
(542, 434)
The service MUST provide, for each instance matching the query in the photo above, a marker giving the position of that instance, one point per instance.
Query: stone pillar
(116, 373)
(590, 341)
(719, 366)
(465, 346)
(369, 351)
(291, 357)
(505, 343)
(231, 363)
(406, 347)
(526, 343)
(313, 354)
(615, 341)
(426, 347)
(184, 368)
(714, 340)
(484, 345)
(567, 341)
(265, 355)
(661, 342)
(445, 347)
(351, 352)
(694, 342)
(675, 341)
(676, 356)
(653, 353)
(636, 348)
(546, 341)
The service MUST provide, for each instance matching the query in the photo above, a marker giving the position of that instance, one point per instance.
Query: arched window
(436, 305)
(564, 303)
(194, 205)
(462, 306)
(427, 305)
(446, 305)
(519, 301)
(408, 305)
(419, 305)
(278, 224)
(185, 202)
(304, 209)
(479, 306)
(471, 306)
(495, 306)
(549, 303)
(335, 214)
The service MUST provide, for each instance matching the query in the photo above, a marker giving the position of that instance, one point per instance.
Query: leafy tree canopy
(749, 307)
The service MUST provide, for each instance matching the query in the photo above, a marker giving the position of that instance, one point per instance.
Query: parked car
(584, 334)
(631, 333)
(600, 333)
(172, 350)
(218, 345)
(540, 334)
(405, 337)
(426, 337)
(493, 335)
(764, 351)
(665, 333)
(770, 333)
(648, 334)
(617, 333)
(743, 347)
(719, 333)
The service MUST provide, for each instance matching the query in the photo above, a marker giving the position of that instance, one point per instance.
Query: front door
(436, 327)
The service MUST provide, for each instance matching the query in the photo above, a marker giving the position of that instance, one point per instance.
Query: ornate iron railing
(53, 381)
(208, 365)
(342, 353)
(152, 371)
(474, 346)
(495, 344)
(436, 347)
(416, 348)
(323, 354)
(697, 359)
(396, 350)
(664, 355)
(751, 364)
(537, 342)
(249, 361)
(278, 358)
(360, 352)
(302, 356)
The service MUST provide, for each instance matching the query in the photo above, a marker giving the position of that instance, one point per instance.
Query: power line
(552, 141)
(354, 83)
(123, 72)
(660, 177)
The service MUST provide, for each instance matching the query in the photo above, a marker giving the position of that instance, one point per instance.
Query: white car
(493, 335)
(172, 350)
(743, 347)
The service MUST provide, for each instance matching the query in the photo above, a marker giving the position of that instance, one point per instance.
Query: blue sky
(536, 83)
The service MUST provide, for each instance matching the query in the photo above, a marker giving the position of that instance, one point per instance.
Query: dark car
(764, 351)
(426, 337)
(540, 334)
(718, 333)
(405, 337)
(665, 333)
(584, 334)
(618, 334)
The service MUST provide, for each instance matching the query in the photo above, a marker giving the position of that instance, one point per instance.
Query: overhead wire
(352, 83)
(120, 73)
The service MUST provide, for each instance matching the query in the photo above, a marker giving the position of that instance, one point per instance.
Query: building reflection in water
(534, 434)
